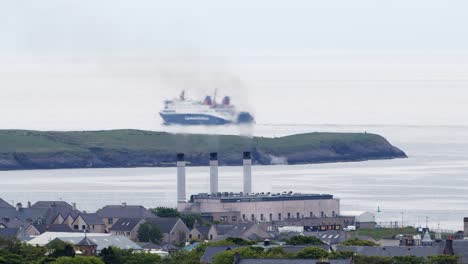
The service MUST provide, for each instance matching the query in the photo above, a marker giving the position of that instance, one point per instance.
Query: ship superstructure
(183, 111)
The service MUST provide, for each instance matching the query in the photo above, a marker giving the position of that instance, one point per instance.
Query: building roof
(422, 251)
(331, 237)
(92, 218)
(292, 261)
(11, 223)
(260, 197)
(53, 228)
(4, 204)
(104, 241)
(26, 215)
(45, 238)
(9, 232)
(204, 230)
(210, 252)
(125, 211)
(51, 204)
(86, 242)
(126, 224)
(165, 224)
(460, 249)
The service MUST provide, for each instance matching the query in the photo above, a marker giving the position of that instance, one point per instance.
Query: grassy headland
(24, 149)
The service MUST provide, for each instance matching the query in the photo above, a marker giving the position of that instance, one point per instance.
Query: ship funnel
(181, 178)
(247, 162)
(213, 172)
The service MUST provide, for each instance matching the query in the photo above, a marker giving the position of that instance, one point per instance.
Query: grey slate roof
(86, 242)
(53, 204)
(460, 249)
(203, 230)
(11, 223)
(331, 237)
(25, 215)
(165, 224)
(211, 252)
(9, 232)
(127, 211)
(4, 204)
(125, 224)
(423, 251)
(292, 261)
(52, 228)
(92, 218)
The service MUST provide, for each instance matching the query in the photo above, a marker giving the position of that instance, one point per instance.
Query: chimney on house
(181, 178)
(124, 204)
(29, 204)
(74, 206)
(247, 162)
(213, 172)
(19, 206)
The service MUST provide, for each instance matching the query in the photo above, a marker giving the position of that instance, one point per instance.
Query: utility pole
(402, 214)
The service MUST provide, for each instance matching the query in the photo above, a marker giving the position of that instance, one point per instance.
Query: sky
(83, 64)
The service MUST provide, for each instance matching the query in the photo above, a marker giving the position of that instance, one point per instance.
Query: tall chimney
(247, 161)
(213, 172)
(181, 177)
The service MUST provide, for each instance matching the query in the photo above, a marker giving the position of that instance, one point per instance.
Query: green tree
(442, 259)
(359, 259)
(359, 242)
(190, 219)
(227, 257)
(409, 260)
(149, 232)
(165, 212)
(113, 255)
(78, 260)
(312, 253)
(303, 240)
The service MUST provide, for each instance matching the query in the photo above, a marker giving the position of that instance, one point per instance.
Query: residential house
(127, 227)
(211, 252)
(110, 214)
(98, 243)
(91, 223)
(418, 251)
(4, 204)
(173, 229)
(9, 232)
(35, 229)
(250, 231)
(199, 233)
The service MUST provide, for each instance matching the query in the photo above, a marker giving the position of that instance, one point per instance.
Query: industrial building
(246, 206)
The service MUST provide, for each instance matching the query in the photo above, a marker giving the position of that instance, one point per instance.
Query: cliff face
(21, 149)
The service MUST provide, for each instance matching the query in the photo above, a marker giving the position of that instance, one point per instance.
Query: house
(98, 243)
(91, 223)
(127, 227)
(362, 219)
(45, 238)
(25, 216)
(418, 251)
(35, 229)
(250, 231)
(211, 252)
(87, 247)
(4, 204)
(173, 229)
(9, 232)
(199, 232)
(332, 237)
(110, 214)
(291, 261)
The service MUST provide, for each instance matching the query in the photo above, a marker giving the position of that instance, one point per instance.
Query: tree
(165, 212)
(442, 259)
(359, 242)
(78, 260)
(312, 253)
(303, 240)
(409, 260)
(359, 259)
(149, 232)
(112, 255)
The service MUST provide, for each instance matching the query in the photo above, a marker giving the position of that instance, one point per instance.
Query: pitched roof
(45, 238)
(4, 204)
(204, 230)
(9, 232)
(165, 224)
(92, 218)
(86, 242)
(127, 211)
(52, 228)
(25, 214)
(423, 251)
(104, 242)
(211, 252)
(51, 204)
(126, 224)
(11, 223)
(460, 249)
(292, 261)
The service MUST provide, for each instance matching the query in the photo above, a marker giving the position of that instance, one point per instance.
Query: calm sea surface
(432, 182)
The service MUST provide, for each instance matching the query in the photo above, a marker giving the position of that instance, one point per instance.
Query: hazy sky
(109, 64)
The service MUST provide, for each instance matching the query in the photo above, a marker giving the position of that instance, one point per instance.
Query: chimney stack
(181, 178)
(213, 172)
(247, 161)
(74, 206)
(19, 206)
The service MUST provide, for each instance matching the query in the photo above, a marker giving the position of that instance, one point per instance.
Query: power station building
(246, 206)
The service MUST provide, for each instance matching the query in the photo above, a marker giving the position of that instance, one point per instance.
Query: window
(279, 216)
(289, 215)
(128, 233)
(211, 237)
(271, 217)
(261, 217)
(111, 221)
(223, 218)
(253, 217)
(333, 214)
(199, 236)
(298, 215)
(75, 227)
(311, 214)
(93, 227)
(83, 227)
(190, 236)
(322, 214)
(243, 217)
(234, 218)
